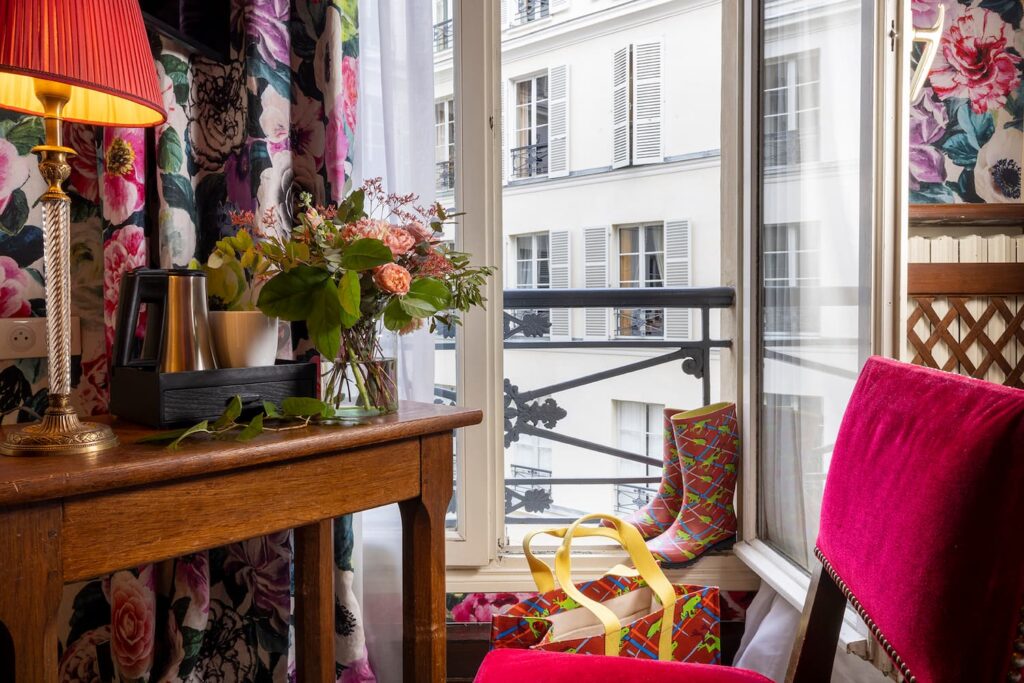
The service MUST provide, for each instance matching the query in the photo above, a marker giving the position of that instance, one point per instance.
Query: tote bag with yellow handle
(627, 612)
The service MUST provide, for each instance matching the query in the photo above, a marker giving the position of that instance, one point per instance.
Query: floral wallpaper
(277, 119)
(966, 141)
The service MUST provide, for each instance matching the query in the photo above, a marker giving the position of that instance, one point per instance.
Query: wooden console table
(70, 518)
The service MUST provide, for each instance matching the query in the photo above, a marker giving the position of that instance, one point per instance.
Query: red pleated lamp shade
(97, 47)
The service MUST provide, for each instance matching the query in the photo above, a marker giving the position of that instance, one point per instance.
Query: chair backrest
(921, 526)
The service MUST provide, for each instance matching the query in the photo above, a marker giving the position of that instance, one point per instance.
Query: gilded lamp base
(59, 432)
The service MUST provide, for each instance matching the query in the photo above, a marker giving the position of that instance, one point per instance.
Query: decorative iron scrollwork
(520, 413)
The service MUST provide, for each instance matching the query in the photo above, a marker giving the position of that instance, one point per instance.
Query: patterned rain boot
(658, 514)
(708, 443)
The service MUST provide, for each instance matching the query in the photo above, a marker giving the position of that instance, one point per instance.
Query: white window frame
(532, 127)
(888, 64)
(792, 113)
(642, 283)
(534, 260)
(444, 130)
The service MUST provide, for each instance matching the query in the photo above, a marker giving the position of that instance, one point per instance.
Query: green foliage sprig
(294, 413)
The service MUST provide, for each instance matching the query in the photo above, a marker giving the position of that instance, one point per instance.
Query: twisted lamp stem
(60, 431)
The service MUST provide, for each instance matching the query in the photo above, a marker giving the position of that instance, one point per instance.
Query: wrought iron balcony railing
(444, 36)
(444, 173)
(630, 497)
(524, 496)
(529, 161)
(531, 10)
(535, 411)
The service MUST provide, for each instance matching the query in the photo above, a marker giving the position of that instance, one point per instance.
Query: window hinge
(893, 35)
(490, 122)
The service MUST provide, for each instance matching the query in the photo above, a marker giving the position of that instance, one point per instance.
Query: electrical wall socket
(26, 338)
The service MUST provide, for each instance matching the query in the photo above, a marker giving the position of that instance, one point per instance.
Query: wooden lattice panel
(960, 341)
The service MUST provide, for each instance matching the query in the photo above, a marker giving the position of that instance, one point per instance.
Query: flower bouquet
(374, 261)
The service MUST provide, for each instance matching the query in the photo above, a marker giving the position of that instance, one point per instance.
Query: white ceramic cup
(243, 339)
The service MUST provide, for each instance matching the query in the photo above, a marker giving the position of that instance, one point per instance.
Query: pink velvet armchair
(921, 532)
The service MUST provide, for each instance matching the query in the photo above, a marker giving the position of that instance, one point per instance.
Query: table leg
(314, 602)
(423, 563)
(31, 582)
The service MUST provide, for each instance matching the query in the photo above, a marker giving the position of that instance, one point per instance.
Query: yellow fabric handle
(646, 567)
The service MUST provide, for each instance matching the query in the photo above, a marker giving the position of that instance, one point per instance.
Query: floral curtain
(966, 141)
(276, 119)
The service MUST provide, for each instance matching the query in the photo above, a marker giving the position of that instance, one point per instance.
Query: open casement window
(637, 105)
(595, 276)
(536, 125)
(444, 146)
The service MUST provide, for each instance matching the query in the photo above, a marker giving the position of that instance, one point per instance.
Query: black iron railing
(444, 174)
(444, 35)
(536, 412)
(531, 10)
(532, 498)
(630, 497)
(529, 161)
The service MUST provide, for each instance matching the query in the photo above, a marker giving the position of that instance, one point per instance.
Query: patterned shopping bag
(627, 612)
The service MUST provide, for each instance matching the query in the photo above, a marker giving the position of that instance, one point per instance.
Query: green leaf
(169, 151)
(254, 429)
(178, 192)
(298, 406)
(395, 318)
(324, 319)
(15, 215)
(226, 283)
(177, 71)
(270, 409)
(427, 296)
(26, 134)
(290, 295)
(201, 428)
(348, 293)
(160, 437)
(365, 254)
(230, 413)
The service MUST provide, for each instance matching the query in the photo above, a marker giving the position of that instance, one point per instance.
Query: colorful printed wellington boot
(658, 514)
(708, 443)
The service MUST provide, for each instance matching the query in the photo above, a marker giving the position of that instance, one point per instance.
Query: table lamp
(86, 61)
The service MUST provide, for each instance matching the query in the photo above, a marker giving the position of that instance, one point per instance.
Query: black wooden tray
(178, 399)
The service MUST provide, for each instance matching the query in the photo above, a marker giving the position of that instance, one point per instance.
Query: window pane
(629, 270)
(655, 268)
(814, 338)
(629, 240)
(652, 239)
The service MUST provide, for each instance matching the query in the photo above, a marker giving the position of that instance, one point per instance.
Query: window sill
(790, 582)
(510, 573)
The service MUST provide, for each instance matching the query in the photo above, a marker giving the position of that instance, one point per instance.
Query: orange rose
(399, 241)
(132, 624)
(392, 278)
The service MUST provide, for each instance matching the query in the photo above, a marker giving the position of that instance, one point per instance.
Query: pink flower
(399, 241)
(192, 578)
(132, 624)
(92, 388)
(84, 178)
(336, 154)
(314, 218)
(435, 264)
(13, 172)
(974, 61)
(366, 228)
(350, 78)
(392, 278)
(14, 285)
(125, 250)
(80, 663)
(124, 174)
(477, 607)
(420, 232)
(358, 672)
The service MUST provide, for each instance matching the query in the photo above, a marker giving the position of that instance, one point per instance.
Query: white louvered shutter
(558, 121)
(560, 255)
(505, 13)
(556, 6)
(647, 103)
(595, 276)
(620, 108)
(678, 269)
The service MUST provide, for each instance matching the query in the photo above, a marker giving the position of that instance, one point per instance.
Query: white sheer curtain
(395, 142)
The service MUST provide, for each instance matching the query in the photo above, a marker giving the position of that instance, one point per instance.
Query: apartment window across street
(531, 10)
(791, 109)
(443, 26)
(444, 145)
(530, 137)
(532, 262)
(637, 105)
(791, 264)
(641, 259)
(640, 430)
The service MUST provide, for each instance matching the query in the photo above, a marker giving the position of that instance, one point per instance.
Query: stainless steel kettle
(177, 337)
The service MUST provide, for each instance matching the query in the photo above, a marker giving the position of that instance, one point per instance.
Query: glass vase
(359, 389)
